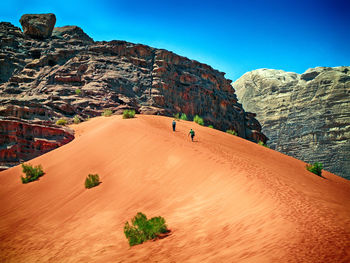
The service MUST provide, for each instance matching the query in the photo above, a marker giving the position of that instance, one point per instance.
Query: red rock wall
(69, 74)
(21, 140)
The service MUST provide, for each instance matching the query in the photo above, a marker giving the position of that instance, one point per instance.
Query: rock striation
(69, 74)
(49, 73)
(306, 116)
(23, 140)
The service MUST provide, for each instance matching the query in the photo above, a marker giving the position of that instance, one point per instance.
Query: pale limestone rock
(306, 116)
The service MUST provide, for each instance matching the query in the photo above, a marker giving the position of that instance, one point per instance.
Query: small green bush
(61, 122)
(263, 144)
(176, 116)
(233, 132)
(127, 114)
(78, 91)
(92, 180)
(107, 113)
(211, 126)
(32, 173)
(142, 229)
(198, 120)
(76, 119)
(183, 117)
(316, 168)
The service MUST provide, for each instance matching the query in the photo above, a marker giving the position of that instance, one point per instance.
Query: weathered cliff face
(306, 116)
(23, 140)
(69, 74)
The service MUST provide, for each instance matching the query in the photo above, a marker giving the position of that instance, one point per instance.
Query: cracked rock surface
(306, 116)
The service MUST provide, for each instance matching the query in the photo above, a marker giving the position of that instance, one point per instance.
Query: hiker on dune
(174, 125)
(191, 133)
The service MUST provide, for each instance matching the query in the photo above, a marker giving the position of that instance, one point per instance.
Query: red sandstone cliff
(67, 73)
(23, 140)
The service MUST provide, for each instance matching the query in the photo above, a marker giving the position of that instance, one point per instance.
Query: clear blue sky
(231, 36)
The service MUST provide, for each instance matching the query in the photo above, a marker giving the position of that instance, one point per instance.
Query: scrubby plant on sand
(183, 117)
(233, 132)
(78, 92)
(176, 116)
(76, 119)
(198, 120)
(263, 144)
(31, 173)
(316, 168)
(61, 122)
(142, 229)
(127, 114)
(92, 180)
(211, 126)
(107, 113)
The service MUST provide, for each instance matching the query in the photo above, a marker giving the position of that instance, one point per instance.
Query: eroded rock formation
(38, 25)
(306, 116)
(46, 76)
(22, 140)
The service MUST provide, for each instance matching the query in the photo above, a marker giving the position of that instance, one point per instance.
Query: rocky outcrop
(38, 25)
(70, 74)
(306, 116)
(45, 78)
(71, 32)
(22, 140)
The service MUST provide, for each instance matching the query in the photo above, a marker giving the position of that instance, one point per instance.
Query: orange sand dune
(225, 199)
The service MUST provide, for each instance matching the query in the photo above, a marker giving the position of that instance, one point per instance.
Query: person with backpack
(174, 125)
(191, 133)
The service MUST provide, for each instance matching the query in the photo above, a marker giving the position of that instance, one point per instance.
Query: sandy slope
(225, 200)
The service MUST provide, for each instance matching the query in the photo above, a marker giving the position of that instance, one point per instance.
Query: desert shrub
(127, 114)
(263, 144)
(61, 122)
(78, 91)
(316, 168)
(92, 180)
(233, 132)
(183, 117)
(176, 116)
(107, 113)
(31, 173)
(76, 119)
(211, 126)
(142, 229)
(198, 120)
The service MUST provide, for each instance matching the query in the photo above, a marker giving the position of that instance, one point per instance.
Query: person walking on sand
(191, 133)
(174, 125)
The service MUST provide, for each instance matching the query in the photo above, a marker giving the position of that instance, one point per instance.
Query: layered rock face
(69, 74)
(306, 116)
(23, 140)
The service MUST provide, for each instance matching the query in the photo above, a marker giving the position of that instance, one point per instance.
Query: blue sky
(231, 36)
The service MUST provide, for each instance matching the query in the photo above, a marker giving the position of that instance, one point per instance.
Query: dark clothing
(174, 125)
(192, 134)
